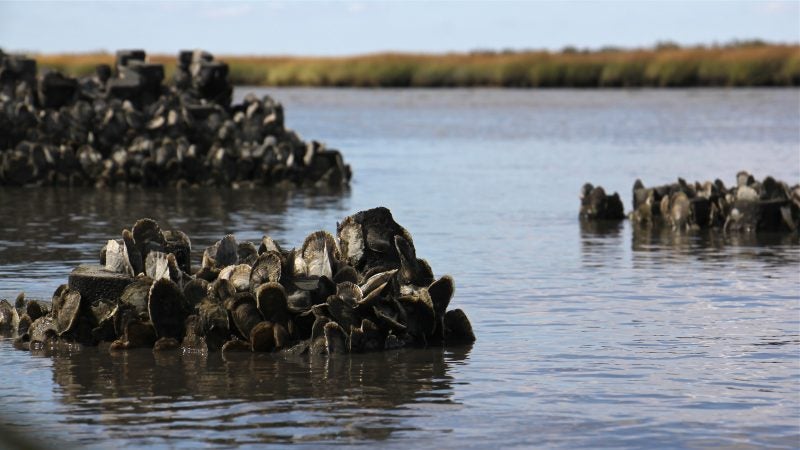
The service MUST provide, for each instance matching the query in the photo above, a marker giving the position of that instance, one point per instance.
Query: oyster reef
(363, 290)
(124, 126)
(750, 206)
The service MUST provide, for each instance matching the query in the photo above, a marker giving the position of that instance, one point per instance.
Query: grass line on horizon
(745, 65)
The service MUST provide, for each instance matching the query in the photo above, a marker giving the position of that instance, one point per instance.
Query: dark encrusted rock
(97, 284)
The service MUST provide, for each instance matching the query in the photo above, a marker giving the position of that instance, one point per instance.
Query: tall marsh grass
(665, 66)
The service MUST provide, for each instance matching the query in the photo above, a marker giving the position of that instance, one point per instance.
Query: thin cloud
(356, 7)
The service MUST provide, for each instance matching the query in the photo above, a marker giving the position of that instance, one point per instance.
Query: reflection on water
(703, 241)
(601, 239)
(768, 250)
(167, 399)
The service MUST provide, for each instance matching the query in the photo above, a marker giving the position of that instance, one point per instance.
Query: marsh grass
(665, 66)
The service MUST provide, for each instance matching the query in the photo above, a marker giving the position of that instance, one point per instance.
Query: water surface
(588, 336)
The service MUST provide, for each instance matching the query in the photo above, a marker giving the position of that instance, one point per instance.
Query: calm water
(587, 337)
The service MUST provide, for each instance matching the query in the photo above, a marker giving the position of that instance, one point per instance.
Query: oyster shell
(167, 309)
(68, 313)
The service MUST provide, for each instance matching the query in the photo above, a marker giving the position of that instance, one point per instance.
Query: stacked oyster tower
(364, 290)
(124, 126)
(749, 206)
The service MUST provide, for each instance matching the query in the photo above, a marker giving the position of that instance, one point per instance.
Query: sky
(353, 27)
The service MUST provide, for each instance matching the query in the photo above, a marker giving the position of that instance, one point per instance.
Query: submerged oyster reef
(749, 206)
(364, 290)
(126, 127)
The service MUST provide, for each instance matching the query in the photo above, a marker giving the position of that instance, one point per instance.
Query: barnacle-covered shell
(267, 268)
(319, 287)
(374, 295)
(319, 252)
(351, 239)
(179, 244)
(239, 276)
(247, 252)
(457, 328)
(299, 302)
(207, 273)
(379, 229)
(195, 291)
(147, 236)
(34, 309)
(420, 317)
(194, 341)
(412, 270)
(269, 245)
(56, 300)
(262, 337)
(136, 295)
(390, 314)
(139, 334)
(214, 324)
(8, 316)
(174, 272)
(346, 273)
(318, 328)
(221, 290)
(244, 312)
(24, 324)
(271, 300)
(349, 292)
(377, 281)
(68, 312)
(297, 264)
(167, 309)
(342, 312)
(42, 328)
(227, 252)
(282, 337)
(441, 291)
(133, 253)
(223, 253)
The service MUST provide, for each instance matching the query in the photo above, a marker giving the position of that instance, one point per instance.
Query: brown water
(587, 336)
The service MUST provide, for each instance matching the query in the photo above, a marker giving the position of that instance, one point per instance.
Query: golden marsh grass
(742, 65)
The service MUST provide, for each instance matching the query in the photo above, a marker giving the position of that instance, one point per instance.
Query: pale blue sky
(351, 27)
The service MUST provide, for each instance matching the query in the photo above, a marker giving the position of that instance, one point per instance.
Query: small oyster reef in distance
(364, 290)
(123, 127)
(750, 206)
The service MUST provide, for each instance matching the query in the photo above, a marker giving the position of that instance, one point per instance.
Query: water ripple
(588, 337)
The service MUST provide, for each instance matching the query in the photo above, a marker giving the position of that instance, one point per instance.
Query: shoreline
(729, 66)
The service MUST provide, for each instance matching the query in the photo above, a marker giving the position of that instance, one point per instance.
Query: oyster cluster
(597, 205)
(126, 127)
(363, 290)
(749, 206)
